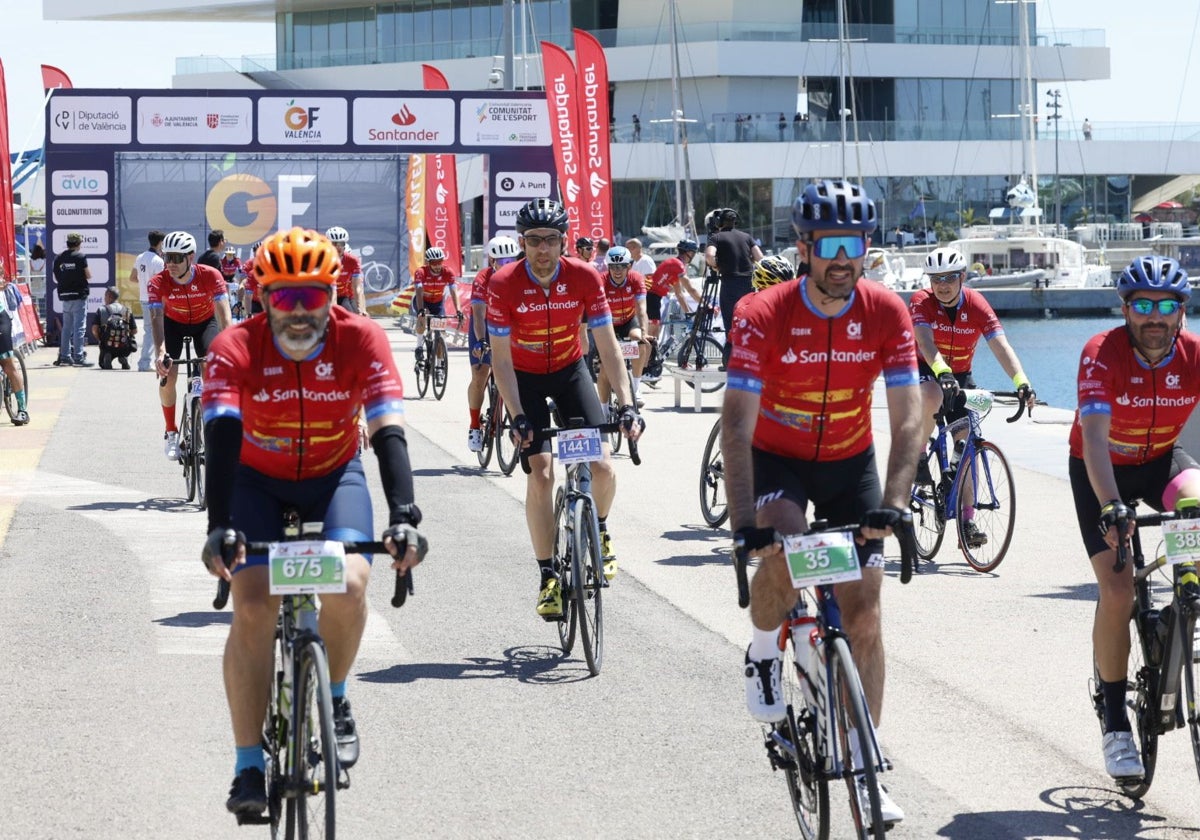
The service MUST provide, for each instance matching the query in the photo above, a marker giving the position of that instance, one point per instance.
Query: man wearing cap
(72, 274)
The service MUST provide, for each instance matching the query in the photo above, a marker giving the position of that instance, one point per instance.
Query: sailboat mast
(683, 190)
(841, 27)
(1028, 134)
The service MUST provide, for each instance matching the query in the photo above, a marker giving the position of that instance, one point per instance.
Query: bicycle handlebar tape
(404, 588)
(908, 546)
(162, 382)
(228, 550)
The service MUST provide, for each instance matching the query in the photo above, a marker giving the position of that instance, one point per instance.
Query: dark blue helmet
(1154, 274)
(834, 205)
(686, 245)
(542, 213)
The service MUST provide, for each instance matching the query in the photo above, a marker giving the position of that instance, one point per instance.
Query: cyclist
(948, 321)
(584, 249)
(350, 293)
(1138, 384)
(251, 296)
(8, 367)
(501, 251)
(796, 428)
(434, 285)
(671, 277)
(533, 315)
(184, 299)
(732, 253)
(231, 271)
(626, 293)
(318, 366)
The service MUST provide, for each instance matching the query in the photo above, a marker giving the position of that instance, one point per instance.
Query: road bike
(714, 507)
(827, 734)
(577, 557)
(10, 396)
(968, 481)
(699, 350)
(303, 775)
(433, 363)
(630, 350)
(1162, 652)
(495, 426)
(675, 325)
(191, 424)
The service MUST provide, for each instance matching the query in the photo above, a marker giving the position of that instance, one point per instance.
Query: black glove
(752, 539)
(628, 417)
(521, 426)
(404, 535)
(1113, 515)
(1026, 394)
(220, 546)
(883, 518)
(949, 386)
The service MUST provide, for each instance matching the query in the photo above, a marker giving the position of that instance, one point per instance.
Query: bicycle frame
(702, 318)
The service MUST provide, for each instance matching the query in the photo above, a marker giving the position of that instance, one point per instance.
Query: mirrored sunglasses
(1145, 306)
(286, 298)
(827, 247)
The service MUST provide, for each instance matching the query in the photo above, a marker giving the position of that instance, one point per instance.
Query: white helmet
(338, 235)
(503, 247)
(179, 242)
(432, 254)
(944, 261)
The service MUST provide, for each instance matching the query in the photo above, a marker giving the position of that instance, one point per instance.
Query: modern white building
(934, 91)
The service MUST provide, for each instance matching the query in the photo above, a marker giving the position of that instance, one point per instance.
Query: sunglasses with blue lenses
(1145, 306)
(827, 247)
(286, 298)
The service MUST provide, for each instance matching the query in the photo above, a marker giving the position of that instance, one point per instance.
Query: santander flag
(52, 78)
(441, 194)
(562, 98)
(592, 73)
(8, 228)
(414, 195)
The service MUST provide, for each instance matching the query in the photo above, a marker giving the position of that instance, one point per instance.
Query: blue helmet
(1154, 274)
(834, 205)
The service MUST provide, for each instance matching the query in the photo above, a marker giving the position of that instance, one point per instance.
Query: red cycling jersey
(252, 281)
(956, 341)
(300, 419)
(814, 373)
(351, 267)
(666, 275)
(479, 288)
(434, 285)
(1148, 406)
(543, 324)
(623, 299)
(190, 302)
(230, 267)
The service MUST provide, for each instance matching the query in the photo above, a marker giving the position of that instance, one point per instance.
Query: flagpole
(29, 136)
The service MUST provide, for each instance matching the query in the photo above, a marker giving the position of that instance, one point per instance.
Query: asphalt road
(473, 723)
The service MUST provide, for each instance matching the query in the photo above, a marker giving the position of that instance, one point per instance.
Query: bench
(698, 379)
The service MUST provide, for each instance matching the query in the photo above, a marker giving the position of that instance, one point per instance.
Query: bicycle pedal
(343, 781)
(254, 819)
(779, 761)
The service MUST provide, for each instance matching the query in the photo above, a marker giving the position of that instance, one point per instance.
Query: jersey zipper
(825, 390)
(300, 433)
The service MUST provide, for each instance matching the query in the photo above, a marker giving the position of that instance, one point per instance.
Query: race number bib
(443, 324)
(197, 385)
(1182, 540)
(307, 567)
(819, 559)
(577, 446)
(629, 349)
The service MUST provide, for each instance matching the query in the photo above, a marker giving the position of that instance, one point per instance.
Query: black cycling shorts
(6, 339)
(348, 303)
(623, 330)
(202, 336)
(841, 491)
(965, 380)
(1143, 482)
(574, 395)
(654, 306)
(436, 310)
(340, 500)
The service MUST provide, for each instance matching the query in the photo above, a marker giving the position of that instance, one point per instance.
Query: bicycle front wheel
(441, 366)
(713, 505)
(701, 353)
(985, 526)
(185, 453)
(566, 576)
(1191, 679)
(851, 716)
(589, 582)
(313, 783)
(10, 396)
(808, 787)
(198, 453)
(487, 427)
(423, 368)
(929, 511)
(507, 453)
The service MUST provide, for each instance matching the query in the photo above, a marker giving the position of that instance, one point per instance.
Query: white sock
(764, 644)
(637, 380)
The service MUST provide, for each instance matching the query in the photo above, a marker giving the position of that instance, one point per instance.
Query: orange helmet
(297, 257)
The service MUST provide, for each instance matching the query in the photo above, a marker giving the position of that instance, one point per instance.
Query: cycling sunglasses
(827, 247)
(175, 258)
(286, 298)
(1145, 306)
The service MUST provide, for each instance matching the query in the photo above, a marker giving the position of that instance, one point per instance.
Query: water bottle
(1162, 623)
(957, 451)
(804, 638)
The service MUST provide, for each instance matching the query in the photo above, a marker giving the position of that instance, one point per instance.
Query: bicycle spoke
(986, 511)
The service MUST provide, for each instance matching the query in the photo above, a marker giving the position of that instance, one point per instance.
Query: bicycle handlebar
(602, 428)
(197, 360)
(1022, 406)
(1150, 519)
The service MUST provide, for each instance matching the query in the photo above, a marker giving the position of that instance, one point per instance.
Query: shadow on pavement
(536, 664)
(719, 555)
(1079, 592)
(157, 504)
(196, 619)
(695, 532)
(1094, 813)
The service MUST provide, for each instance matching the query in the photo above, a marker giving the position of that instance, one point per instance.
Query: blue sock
(250, 757)
(20, 400)
(337, 689)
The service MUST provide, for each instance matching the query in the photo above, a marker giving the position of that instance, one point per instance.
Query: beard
(298, 334)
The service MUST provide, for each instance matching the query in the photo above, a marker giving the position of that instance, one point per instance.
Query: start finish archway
(122, 162)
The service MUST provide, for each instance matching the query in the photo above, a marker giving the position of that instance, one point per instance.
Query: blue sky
(1151, 47)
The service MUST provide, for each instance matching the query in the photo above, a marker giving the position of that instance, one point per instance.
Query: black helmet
(542, 213)
(729, 217)
(834, 205)
(712, 220)
(686, 245)
(583, 242)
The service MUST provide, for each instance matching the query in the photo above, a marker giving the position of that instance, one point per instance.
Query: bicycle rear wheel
(929, 512)
(197, 454)
(1191, 679)
(507, 453)
(994, 513)
(808, 788)
(185, 452)
(310, 810)
(713, 504)
(850, 713)
(588, 582)
(423, 367)
(441, 366)
(10, 396)
(566, 577)
(701, 353)
(487, 426)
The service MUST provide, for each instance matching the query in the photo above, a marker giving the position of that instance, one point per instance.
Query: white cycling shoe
(475, 440)
(764, 692)
(1121, 758)
(889, 811)
(171, 446)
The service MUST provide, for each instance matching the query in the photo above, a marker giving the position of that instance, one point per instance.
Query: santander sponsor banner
(562, 98)
(592, 80)
(8, 237)
(414, 208)
(403, 122)
(441, 196)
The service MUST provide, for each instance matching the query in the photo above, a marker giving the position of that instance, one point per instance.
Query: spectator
(216, 247)
(8, 367)
(637, 128)
(71, 274)
(782, 126)
(1087, 129)
(114, 329)
(612, 128)
(147, 265)
(739, 129)
(600, 261)
(797, 124)
(37, 260)
(642, 263)
(618, 237)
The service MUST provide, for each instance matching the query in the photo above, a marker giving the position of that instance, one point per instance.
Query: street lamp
(1054, 106)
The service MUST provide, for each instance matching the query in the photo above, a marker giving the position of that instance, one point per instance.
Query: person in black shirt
(71, 274)
(732, 253)
(216, 249)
